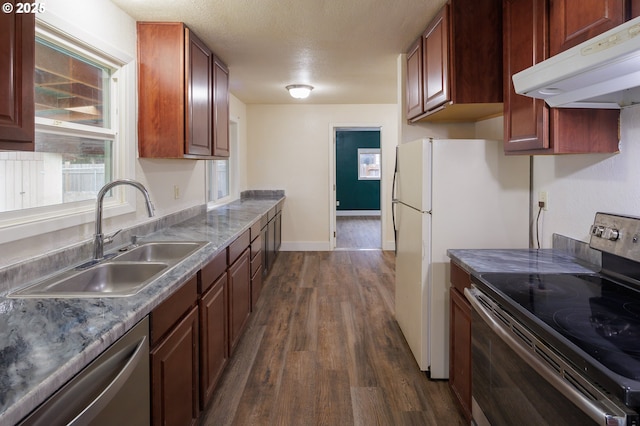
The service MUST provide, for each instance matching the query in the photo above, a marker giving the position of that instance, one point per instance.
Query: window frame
(232, 166)
(368, 151)
(19, 224)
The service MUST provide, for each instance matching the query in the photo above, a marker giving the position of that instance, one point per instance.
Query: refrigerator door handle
(394, 201)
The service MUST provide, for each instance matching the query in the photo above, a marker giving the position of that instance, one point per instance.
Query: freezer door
(412, 280)
(413, 181)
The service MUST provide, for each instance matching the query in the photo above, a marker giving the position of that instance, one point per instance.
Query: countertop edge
(479, 261)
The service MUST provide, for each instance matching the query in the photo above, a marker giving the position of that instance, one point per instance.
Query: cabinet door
(277, 232)
(414, 80)
(460, 350)
(239, 297)
(256, 286)
(199, 62)
(220, 108)
(435, 51)
(17, 44)
(213, 338)
(265, 249)
(570, 25)
(174, 375)
(526, 120)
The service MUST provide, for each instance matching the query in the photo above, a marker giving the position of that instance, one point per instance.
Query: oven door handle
(591, 408)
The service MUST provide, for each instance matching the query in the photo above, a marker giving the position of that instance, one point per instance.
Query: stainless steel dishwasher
(112, 390)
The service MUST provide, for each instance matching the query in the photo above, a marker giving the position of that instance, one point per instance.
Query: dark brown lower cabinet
(214, 352)
(239, 297)
(174, 358)
(460, 340)
(174, 375)
(256, 285)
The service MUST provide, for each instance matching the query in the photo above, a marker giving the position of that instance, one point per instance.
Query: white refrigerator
(449, 194)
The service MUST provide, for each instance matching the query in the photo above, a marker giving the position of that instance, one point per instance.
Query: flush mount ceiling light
(299, 91)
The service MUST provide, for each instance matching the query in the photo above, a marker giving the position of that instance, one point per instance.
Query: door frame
(333, 129)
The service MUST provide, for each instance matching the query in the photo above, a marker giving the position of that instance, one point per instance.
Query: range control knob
(597, 230)
(611, 234)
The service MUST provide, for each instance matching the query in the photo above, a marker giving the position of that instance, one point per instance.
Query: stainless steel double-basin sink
(125, 274)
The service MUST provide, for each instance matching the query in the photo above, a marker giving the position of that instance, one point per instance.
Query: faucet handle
(109, 238)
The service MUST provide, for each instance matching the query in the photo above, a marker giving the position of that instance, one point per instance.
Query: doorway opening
(358, 224)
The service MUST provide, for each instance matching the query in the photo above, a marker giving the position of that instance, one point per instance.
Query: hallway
(358, 232)
(323, 348)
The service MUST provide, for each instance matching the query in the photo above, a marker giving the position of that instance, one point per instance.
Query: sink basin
(161, 251)
(109, 279)
(123, 275)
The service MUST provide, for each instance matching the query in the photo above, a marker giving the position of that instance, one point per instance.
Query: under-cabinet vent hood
(603, 72)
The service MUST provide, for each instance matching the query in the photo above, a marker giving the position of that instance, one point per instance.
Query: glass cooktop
(598, 315)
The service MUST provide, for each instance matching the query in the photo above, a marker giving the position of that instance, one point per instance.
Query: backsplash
(262, 193)
(577, 248)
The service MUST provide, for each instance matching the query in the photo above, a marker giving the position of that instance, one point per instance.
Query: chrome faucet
(99, 239)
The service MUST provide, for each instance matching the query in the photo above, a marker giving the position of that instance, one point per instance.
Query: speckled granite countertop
(45, 342)
(477, 262)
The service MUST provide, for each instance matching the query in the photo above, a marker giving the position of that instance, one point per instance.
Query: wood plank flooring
(358, 232)
(323, 348)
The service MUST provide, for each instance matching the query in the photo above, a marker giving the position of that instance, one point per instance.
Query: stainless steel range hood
(603, 72)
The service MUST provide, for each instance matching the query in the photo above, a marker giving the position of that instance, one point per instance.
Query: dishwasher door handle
(95, 407)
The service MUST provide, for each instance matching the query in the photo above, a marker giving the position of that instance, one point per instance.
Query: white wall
(581, 185)
(238, 115)
(290, 147)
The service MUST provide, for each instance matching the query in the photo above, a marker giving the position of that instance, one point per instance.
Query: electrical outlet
(543, 200)
(176, 192)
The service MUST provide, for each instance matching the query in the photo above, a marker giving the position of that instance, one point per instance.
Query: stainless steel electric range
(561, 348)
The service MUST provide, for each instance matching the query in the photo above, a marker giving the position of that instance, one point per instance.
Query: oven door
(517, 379)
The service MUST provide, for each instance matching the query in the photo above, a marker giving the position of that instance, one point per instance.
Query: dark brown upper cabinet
(220, 108)
(530, 126)
(571, 25)
(179, 86)
(455, 70)
(17, 44)
(415, 97)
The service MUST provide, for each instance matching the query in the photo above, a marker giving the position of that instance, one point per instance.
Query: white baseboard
(321, 246)
(305, 246)
(357, 212)
(389, 245)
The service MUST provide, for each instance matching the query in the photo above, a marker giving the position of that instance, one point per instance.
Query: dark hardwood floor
(323, 348)
(358, 232)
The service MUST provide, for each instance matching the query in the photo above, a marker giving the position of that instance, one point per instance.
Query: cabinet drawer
(256, 246)
(164, 316)
(212, 270)
(239, 245)
(255, 230)
(256, 262)
(460, 279)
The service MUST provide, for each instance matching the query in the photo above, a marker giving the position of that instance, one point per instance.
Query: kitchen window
(221, 175)
(79, 113)
(218, 178)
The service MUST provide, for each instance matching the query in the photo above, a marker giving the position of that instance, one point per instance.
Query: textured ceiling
(346, 49)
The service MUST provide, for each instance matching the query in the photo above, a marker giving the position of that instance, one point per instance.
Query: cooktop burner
(598, 315)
